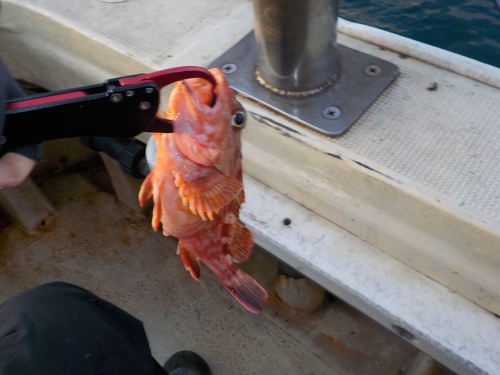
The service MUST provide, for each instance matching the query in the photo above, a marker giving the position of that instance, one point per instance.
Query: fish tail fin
(190, 261)
(245, 289)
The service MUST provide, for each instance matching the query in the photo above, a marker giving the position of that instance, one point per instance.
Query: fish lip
(193, 96)
(191, 102)
(187, 87)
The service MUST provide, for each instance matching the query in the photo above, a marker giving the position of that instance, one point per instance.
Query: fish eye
(239, 118)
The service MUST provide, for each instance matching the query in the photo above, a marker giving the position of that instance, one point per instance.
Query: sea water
(467, 27)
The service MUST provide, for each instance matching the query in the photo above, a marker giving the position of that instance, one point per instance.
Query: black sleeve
(9, 89)
(60, 329)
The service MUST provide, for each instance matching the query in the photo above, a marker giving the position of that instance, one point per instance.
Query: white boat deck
(400, 217)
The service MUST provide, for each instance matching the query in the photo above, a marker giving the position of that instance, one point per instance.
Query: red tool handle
(165, 77)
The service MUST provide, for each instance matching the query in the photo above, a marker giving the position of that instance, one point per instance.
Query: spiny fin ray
(207, 194)
(240, 242)
(190, 261)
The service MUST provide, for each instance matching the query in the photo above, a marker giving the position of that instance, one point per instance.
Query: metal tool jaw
(120, 107)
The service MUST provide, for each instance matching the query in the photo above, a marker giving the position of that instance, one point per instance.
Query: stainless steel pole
(296, 45)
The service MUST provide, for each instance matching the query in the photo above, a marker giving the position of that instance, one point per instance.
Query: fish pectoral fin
(145, 193)
(190, 261)
(240, 242)
(146, 189)
(205, 193)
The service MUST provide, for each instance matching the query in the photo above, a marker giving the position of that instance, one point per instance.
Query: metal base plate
(362, 78)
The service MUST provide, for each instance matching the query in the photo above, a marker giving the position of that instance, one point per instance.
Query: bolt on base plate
(361, 79)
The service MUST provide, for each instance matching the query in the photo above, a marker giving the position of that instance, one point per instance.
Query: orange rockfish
(197, 186)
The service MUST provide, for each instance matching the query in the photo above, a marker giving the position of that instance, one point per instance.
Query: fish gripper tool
(120, 107)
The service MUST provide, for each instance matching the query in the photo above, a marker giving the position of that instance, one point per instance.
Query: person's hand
(14, 169)
(16, 166)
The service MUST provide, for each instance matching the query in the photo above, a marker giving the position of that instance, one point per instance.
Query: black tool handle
(117, 112)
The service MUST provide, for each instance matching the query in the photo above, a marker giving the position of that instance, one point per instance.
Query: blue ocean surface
(467, 27)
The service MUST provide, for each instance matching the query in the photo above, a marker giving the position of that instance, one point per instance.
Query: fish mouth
(208, 98)
(192, 105)
(213, 99)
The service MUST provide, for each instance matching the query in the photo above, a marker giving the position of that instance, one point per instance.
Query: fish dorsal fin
(239, 242)
(236, 203)
(190, 261)
(239, 199)
(205, 193)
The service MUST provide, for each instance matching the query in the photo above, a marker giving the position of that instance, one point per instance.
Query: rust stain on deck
(338, 345)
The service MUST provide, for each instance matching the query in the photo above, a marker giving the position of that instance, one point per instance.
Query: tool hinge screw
(116, 98)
